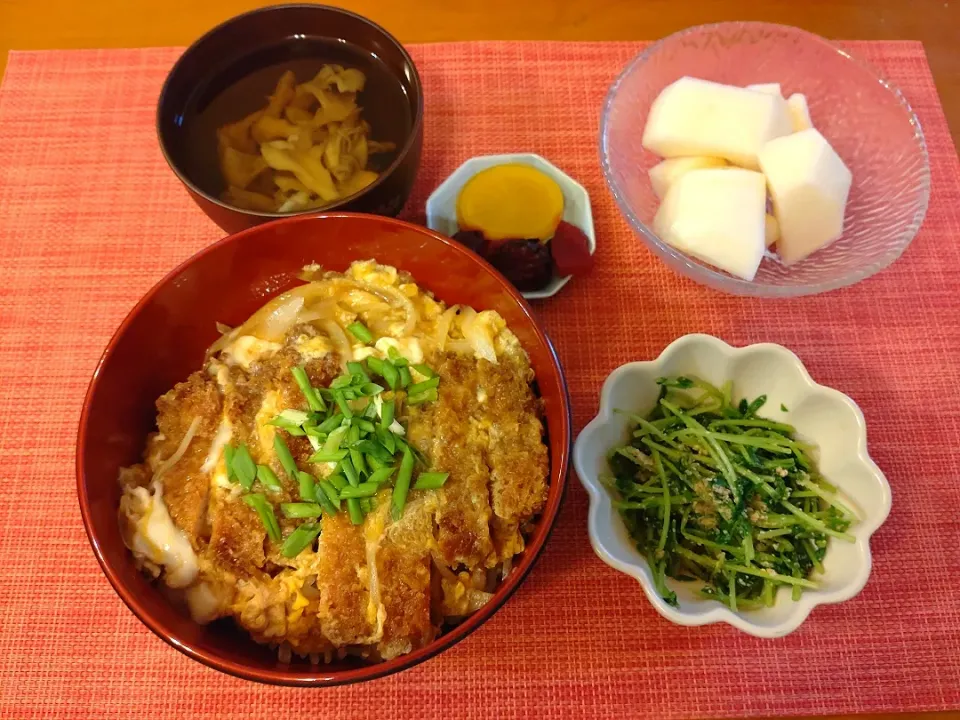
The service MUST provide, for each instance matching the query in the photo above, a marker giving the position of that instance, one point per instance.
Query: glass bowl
(865, 118)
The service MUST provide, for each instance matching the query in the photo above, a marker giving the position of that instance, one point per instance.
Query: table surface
(27, 24)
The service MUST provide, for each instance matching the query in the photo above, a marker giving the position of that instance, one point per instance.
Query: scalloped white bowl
(821, 415)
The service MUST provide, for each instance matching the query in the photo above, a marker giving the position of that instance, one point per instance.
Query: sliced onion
(279, 321)
(476, 599)
(339, 339)
(443, 326)
(476, 333)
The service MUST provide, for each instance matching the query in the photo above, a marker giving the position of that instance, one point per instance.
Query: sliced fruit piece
(664, 174)
(510, 201)
(771, 230)
(717, 215)
(799, 112)
(695, 117)
(570, 248)
(809, 185)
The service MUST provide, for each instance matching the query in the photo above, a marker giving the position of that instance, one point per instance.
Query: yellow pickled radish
(510, 201)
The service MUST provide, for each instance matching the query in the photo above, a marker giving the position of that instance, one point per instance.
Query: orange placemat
(92, 217)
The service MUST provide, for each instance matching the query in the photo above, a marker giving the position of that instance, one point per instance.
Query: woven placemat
(91, 217)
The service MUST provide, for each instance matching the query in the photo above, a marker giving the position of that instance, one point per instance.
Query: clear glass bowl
(864, 117)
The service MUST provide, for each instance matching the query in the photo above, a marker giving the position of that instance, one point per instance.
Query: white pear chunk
(771, 88)
(809, 185)
(694, 117)
(667, 172)
(717, 216)
(771, 230)
(799, 112)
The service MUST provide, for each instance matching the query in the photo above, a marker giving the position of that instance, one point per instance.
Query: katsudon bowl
(164, 339)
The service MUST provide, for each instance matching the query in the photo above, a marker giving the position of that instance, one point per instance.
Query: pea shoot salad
(712, 492)
(354, 424)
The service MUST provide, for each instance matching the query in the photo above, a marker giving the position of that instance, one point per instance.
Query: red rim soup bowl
(163, 340)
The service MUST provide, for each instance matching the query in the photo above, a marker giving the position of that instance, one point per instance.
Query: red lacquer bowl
(163, 340)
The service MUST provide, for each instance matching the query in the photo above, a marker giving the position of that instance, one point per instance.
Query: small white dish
(442, 203)
(821, 415)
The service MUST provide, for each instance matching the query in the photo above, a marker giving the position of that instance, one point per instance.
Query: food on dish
(698, 126)
(307, 148)
(512, 216)
(354, 466)
(809, 185)
(711, 491)
(693, 117)
(717, 215)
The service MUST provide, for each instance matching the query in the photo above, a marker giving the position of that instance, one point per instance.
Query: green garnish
(328, 456)
(360, 332)
(327, 489)
(338, 481)
(269, 478)
(300, 539)
(264, 509)
(396, 358)
(309, 392)
(430, 480)
(783, 408)
(349, 471)
(244, 468)
(285, 456)
(711, 492)
(391, 375)
(367, 489)
(381, 475)
(423, 397)
(341, 400)
(307, 484)
(228, 461)
(420, 387)
(290, 420)
(301, 510)
(357, 371)
(386, 413)
(331, 423)
(402, 485)
(405, 378)
(425, 370)
(355, 511)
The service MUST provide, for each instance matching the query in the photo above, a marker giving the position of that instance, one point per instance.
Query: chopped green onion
(344, 381)
(290, 419)
(388, 440)
(367, 505)
(357, 460)
(356, 514)
(370, 389)
(349, 471)
(301, 510)
(338, 481)
(264, 509)
(300, 539)
(365, 425)
(362, 490)
(396, 358)
(330, 424)
(405, 378)
(423, 386)
(307, 483)
(430, 480)
(309, 392)
(387, 410)
(374, 463)
(391, 376)
(322, 456)
(268, 477)
(330, 492)
(374, 449)
(382, 475)
(228, 461)
(370, 410)
(420, 398)
(360, 332)
(334, 440)
(341, 401)
(244, 467)
(285, 456)
(376, 365)
(425, 370)
(402, 485)
(357, 370)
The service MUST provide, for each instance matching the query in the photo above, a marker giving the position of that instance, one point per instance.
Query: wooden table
(29, 24)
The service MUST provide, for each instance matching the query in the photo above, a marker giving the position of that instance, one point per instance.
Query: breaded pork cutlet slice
(444, 432)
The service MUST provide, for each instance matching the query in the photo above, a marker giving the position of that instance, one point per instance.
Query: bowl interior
(868, 123)
(229, 73)
(163, 340)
